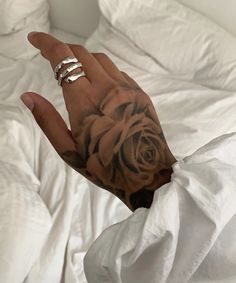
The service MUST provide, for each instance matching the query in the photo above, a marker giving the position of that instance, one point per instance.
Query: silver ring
(67, 60)
(66, 72)
(75, 77)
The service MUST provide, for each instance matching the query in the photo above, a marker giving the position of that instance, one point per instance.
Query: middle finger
(55, 51)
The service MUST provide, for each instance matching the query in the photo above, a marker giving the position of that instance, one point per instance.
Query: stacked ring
(75, 77)
(63, 76)
(66, 72)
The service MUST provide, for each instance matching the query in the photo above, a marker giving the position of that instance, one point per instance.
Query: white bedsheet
(192, 113)
(188, 234)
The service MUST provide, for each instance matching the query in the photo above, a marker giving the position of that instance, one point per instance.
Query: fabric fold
(186, 224)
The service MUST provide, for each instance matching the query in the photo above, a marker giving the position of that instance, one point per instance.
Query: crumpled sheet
(192, 112)
(188, 234)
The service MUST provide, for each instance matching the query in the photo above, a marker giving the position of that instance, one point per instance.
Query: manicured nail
(28, 101)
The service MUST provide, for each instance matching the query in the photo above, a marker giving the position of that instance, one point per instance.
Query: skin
(115, 140)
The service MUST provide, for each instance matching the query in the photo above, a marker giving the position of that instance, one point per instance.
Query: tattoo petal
(108, 142)
(98, 129)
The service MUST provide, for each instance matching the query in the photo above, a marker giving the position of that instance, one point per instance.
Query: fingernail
(28, 101)
(31, 36)
(32, 33)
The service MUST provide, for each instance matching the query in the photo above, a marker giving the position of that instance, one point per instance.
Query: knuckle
(117, 89)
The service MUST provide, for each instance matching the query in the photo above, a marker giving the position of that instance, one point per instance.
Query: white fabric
(188, 234)
(192, 113)
(24, 218)
(217, 11)
(180, 42)
(14, 14)
(14, 44)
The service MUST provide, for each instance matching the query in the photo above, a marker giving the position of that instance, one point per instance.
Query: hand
(115, 140)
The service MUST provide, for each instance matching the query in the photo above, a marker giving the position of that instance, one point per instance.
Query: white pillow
(216, 10)
(15, 44)
(14, 14)
(182, 42)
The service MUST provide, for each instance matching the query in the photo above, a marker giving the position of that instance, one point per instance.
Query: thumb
(50, 121)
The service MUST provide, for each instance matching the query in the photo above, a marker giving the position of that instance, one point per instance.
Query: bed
(183, 56)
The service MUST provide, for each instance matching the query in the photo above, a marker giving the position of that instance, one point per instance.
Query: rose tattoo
(122, 148)
(115, 138)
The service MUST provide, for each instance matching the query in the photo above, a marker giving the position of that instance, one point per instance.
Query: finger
(75, 94)
(50, 121)
(96, 73)
(109, 67)
(130, 80)
(55, 51)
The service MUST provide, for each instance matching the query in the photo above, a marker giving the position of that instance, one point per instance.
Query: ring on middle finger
(67, 60)
(67, 71)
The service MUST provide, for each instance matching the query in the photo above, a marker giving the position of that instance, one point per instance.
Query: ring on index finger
(64, 75)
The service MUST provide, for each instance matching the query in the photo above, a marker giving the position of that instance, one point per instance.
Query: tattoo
(122, 148)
